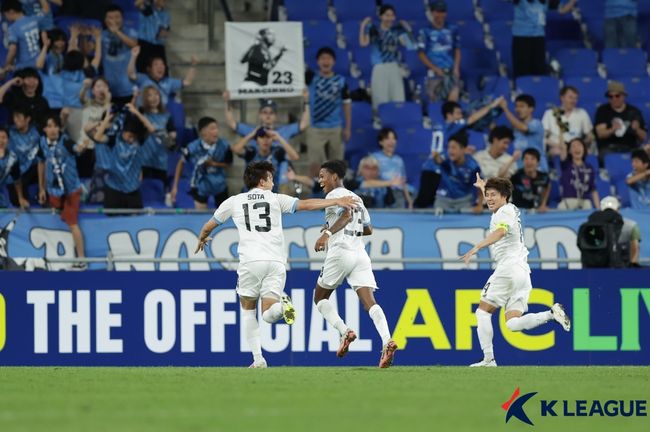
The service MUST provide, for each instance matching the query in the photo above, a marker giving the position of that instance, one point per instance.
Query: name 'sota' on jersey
(351, 236)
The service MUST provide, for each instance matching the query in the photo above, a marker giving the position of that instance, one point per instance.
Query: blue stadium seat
(355, 83)
(183, 198)
(298, 10)
(132, 19)
(413, 165)
(578, 62)
(497, 10)
(434, 111)
(495, 86)
(177, 113)
(478, 62)
(592, 161)
(363, 139)
(153, 192)
(410, 9)
(554, 197)
(604, 187)
(618, 165)
(354, 10)
(361, 57)
(592, 88)
(596, 32)
(361, 115)
(126, 5)
(471, 34)
(562, 27)
(412, 60)
(460, 10)
(318, 34)
(591, 106)
(637, 87)
(413, 140)
(592, 9)
(350, 31)
(629, 62)
(476, 139)
(540, 87)
(501, 32)
(623, 193)
(400, 114)
(342, 65)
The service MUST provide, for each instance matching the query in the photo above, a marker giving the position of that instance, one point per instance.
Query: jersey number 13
(263, 216)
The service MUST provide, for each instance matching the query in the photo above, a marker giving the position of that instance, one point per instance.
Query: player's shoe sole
(483, 363)
(349, 337)
(261, 365)
(288, 311)
(561, 317)
(388, 355)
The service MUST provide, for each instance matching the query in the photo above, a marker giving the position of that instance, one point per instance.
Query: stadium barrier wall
(396, 236)
(192, 319)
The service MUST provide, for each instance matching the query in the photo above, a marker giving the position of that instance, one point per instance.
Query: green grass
(403, 399)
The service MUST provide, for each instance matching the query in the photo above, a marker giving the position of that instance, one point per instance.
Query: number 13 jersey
(257, 214)
(350, 237)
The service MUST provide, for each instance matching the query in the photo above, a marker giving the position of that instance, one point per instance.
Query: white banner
(264, 59)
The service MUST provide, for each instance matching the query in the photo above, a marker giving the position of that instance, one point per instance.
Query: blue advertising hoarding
(192, 318)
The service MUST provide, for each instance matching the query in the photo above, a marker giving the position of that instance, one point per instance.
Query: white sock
(272, 314)
(485, 333)
(529, 321)
(331, 316)
(251, 330)
(378, 317)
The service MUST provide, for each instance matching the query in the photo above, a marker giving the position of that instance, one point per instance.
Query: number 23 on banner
(3, 319)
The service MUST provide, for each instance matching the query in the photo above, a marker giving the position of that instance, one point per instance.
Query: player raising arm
(347, 259)
(510, 285)
(257, 214)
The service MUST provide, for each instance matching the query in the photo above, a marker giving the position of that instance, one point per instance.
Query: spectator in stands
(266, 148)
(577, 179)
(620, 23)
(95, 108)
(23, 36)
(392, 166)
(528, 131)
(630, 237)
(210, 155)
(439, 46)
(156, 75)
(568, 121)
(117, 44)
(330, 105)
(57, 43)
(153, 30)
(42, 11)
(370, 187)
(387, 84)
(25, 90)
(495, 161)
(639, 180)
(23, 141)
(532, 187)
(124, 156)
(459, 171)
(619, 126)
(528, 34)
(10, 171)
(59, 181)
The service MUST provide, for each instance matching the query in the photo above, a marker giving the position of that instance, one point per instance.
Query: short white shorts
(261, 279)
(509, 287)
(342, 264)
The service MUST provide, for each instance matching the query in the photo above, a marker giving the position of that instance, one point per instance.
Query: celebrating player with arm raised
(347, 258)
(257, 214)
(510, 285)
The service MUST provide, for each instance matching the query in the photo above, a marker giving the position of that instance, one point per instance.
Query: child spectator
(532, 187)
(439, 46)
(391, 166)
(495, 161)
(154, 26)
(23, 36)
(59, 180)
(386, 80)
(155, 76)
(639, 180)
(566, 122)
(95, 108)
(25, 90)
(116, 48)
(209, 155)
(577, 179)
(10, 171)
(331, 112)
(56, 42)
(529, 132)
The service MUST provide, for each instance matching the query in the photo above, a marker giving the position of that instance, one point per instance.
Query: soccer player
(509, 286)
(347, 258)
(257, 214)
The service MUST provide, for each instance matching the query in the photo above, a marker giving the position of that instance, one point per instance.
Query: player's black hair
(461, 138)
(325, 50)
(11, 5)
(641, 155)
(337, 167)
(567, 88)
(54, 117)
(73, 60)
(500, 132)
(205, 121)
(527, 99)
(384, 133)
(500, 184)
(28, 72)
(256, 171)
(386, 7)
(533, 152)
(113, 8)
(448, 108)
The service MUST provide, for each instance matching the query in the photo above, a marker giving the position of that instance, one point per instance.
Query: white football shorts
(342, 264)
(509, 287)
(261, 279)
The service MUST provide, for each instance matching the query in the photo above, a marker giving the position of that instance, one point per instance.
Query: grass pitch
(405, 399)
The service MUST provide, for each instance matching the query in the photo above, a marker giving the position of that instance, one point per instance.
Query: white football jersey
(350, 237)
(511, 247)
(257, 214)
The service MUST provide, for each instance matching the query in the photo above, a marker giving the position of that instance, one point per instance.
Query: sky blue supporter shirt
(439, 44)
(126, 161)
(640, 194)
(530, 18)
(390, 167)
(285, 131)
(166, 86)
(277, 156)
(208, 180)
(164, 125)
(457, 181)
(534, 138)
(24, 33)
(326, 98)
(53, 89)
(620, 8)
(25, 145)
(440, 135)
(61, 176)
(115, 60)
(33, 8)
(9, 173)
(384, 44)
(151, 24)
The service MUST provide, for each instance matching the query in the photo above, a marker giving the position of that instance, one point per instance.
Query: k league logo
(514, 406)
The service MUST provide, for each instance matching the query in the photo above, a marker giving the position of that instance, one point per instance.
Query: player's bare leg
(321, 299)
(379, 319)
(485, 334)
(273, 310)
(251, 329)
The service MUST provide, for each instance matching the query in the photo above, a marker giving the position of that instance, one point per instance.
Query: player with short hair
(509, 286)
(257, 214)
(347, 259)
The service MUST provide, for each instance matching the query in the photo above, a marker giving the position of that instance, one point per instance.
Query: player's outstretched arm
(204, 236)
(492, 238)
(347, 202)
